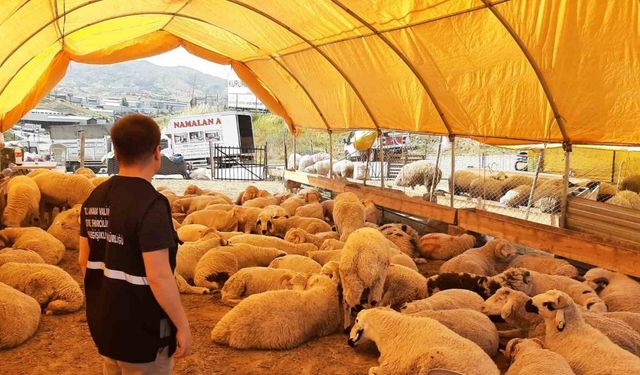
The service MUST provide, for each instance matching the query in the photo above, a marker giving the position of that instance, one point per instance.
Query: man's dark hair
(135, 138)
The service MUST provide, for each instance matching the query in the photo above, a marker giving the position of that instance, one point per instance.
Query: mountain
(140, 78)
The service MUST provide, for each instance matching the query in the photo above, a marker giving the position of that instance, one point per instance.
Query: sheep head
(598, 279)
(502, 249)
(514, 345)
(551, 305)
(499, 304)
(515, 278)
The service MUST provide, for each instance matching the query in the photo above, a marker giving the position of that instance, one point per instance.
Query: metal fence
(238, 163)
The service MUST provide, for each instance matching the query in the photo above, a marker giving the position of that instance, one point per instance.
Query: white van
(394, 143)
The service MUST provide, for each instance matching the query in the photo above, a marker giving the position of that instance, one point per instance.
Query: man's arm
(83, 254)
(164, 289)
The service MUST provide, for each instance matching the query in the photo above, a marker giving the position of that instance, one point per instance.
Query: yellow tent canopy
(503, 71)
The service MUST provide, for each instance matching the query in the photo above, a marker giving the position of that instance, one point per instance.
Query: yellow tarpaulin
(503, 71)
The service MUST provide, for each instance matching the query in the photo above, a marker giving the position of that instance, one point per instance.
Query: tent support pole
(452, 177)
(535, 182)
(330, 154)
(432, 188)
(295, 154)
(82, 144)
(565, 186)
(381, 156)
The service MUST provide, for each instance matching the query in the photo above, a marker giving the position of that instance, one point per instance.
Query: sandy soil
(62, 344)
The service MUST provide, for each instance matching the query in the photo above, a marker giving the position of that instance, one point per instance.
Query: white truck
(65, 145)
(190, 136)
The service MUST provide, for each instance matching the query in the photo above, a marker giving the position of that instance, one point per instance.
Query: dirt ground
(63, 345)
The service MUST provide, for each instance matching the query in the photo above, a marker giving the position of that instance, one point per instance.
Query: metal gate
(238, 163)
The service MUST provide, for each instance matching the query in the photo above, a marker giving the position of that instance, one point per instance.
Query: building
(240, 97)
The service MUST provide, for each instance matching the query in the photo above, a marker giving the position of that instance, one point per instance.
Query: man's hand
(183, 338)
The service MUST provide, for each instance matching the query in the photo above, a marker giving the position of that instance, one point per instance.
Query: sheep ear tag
(560, 322)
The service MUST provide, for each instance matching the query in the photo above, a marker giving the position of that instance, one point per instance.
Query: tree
(124, 102)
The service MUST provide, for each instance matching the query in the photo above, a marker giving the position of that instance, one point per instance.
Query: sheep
(626, 198)
(544, 264)
(264, 221)
(418, 173)
(257, 322)
(87, 172)
(445, 300)
(66, 227)
(321, 167)
(311, 225)
(511, 306)
(348, 214)
(192, 204)
(36, 239)
(19, 317)
(480, 261)
(224, 221)
(310, 195)
(533, 283)
(332, 244)
(359, 170)
(50, 285)
(516, 197)
(278, 243)
(196, 190)
(23, 202)
(19, 256)
(486, 188)
(297, 235)
(481, 285)
(371, 212)
(309, 160)
(631, 183)
(364, 263)
(170, 195)
(403, 236)
(327, 209)
(97, 181)
(343, 169)
(325, 256)
(292, 161)
(262, 202)
(193, 232)
(463, 181)
(63, 190)
(291, 204)
(313, 209)
(398, 257)
(516, 180)
(470, 324)
(444, 246)
(617, 290)
(427, 345)
(588, 351)
(298, 263)
(247, 218)
(215, 266)
(190, 253)
(185, 288)
(403, 285)
(249, 193)
(529, 357)
(254, 280)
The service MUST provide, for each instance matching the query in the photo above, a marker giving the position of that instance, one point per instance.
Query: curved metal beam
(536, 69)
(402, 57)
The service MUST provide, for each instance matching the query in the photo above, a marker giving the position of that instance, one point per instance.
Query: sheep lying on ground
(418, 173)
(254, 280)
(19, 256)
(626, 198)
(325, 256)
(529, 357)
(470, 324)
(257, 322)
(433, 346)
(313, 209)
(278, 243)
(280, 226)
(19, 317)
(51, 286)
(190, 253)
(23, 202)
(215, 266)
(463, 181)
(515, 180)
(443, 246)
(517, 196)
(224, 221)
(533, 283)
(66, 227)
(298, 263)
(35, 239)
(291, 204)
(185, 288)
(403, 285)
(348, 214)
(88, 172)
(481, 285)
(195, 203)
(616, 289)
(403, 236)
(544, 264)
(487, 188)
(480, 261)
(446, 300)
(332, 245)
(588, 351)
(297, 235)
(63, 190)
(631, 183)
(363, 265)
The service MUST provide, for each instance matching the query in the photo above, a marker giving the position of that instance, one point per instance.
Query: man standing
(128, 253)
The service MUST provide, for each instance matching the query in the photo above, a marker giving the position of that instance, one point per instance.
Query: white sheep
(23, 202)
(544, 264)
(364, 264)
(403, 236)
(446, 300)
(50, 285)
(529, 357)
(298, 263)
(297, 235)
(35, 239)
(321, 167)
(195, 203)
(19, 317)
(480, 261)
(325, 256)
(254, 280)
(281, 319)
(194, 232)
(291, 204)
(264, 221)
(224, 221)
(292, 161)
(418, 173)
(313, 209)
(19, 256)
(66, 227)
(359, 170)
(190, 253)
(63, 190)
(588, 351)
(348, 214)
(332, 244)
(84, 171)
(280, 226)
(444, 246)
(310, 195)
(371, 212)
(617, 290)
(414, 345)
(247, 218)
(626, 198)
(403, 285)
(517, 196)
(533, 283)
(262, 202)
(470, 324)
(305, 161)
(278, 243)
(343, 169)
(185, 288)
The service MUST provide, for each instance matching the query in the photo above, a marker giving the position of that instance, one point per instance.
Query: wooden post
(366, 170)
(295, 154)
(82, 144)
(286, 159)
(330, 153)
(433, 178)
(535, 181)
(452, 178)
(212, 160)
(381, 155)
(565, 186)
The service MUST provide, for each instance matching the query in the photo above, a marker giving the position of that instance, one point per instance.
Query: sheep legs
(374, 371)
(60, 307)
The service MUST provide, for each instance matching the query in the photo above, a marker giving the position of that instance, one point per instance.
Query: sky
(180, 57)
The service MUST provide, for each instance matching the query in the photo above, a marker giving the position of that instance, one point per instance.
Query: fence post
(452, 176)
(381, 154)
(212, 160)
(286, 159)
(535, 181)
(565, 185)
(82, 144)
(266, 163)
(295, 153)
(433, 179)
(330, 154)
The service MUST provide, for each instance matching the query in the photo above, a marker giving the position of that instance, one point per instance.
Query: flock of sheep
(296, 266)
